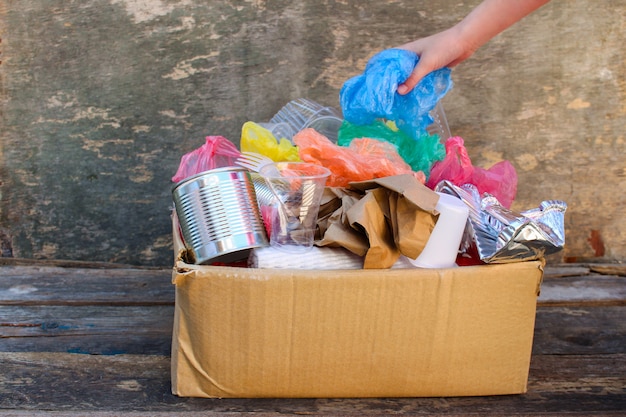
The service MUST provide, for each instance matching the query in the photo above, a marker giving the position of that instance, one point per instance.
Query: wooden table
(94, 339)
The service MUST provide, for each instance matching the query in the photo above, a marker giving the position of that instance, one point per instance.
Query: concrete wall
(101, 98)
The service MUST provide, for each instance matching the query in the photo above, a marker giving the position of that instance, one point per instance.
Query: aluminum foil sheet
(500, 235)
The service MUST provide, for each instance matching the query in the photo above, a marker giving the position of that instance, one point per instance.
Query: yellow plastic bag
(256, 138)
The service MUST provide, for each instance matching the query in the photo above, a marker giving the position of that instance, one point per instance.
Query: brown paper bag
(371, 214)
(393, 215)
(333, 225)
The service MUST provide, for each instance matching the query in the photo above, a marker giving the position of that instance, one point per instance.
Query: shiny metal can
(219, 215)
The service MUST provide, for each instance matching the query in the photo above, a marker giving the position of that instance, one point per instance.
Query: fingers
(416, 76)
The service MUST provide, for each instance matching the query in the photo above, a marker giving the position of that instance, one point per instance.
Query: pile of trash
(400, 191)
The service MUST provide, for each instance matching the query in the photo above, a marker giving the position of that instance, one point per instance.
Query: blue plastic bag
(373, 94)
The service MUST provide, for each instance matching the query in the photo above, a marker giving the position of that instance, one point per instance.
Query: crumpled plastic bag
(217, 152)
(500, 180)
(364, 159)
(256, 138)
(420, 154)
(373, 94)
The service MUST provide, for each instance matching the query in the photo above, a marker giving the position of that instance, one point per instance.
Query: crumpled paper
(379, 219)
(499, 235)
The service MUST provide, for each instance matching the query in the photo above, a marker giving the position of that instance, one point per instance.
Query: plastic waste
(217, 152)
(364, 159)
(500, 180)
(256, 138)
(373, 94)
(304, 112)
(420, 154)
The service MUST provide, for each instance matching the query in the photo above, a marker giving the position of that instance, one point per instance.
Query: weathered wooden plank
(588, 290)
(558, 385)
(578, 269)
(19, 266)
(87, 329)
(556, 271)
(609, 269)
(38, 285)
(148, 330)
(580, 330)
(69, 263)
(43, 271)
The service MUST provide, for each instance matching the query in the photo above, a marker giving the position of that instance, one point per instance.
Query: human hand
(454, 45)
(443, 49)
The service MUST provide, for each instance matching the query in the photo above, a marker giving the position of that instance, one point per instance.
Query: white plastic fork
(255, 161)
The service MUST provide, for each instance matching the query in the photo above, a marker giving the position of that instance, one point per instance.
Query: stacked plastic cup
(279, 130)
(303, 113)
(291, 216)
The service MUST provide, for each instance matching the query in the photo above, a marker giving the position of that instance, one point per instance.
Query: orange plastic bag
(500, 180)
(364, 159)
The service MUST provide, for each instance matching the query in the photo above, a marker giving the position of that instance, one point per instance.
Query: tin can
(219, 215)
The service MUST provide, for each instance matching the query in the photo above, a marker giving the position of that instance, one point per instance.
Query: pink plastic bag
(217, 152)
(500, 180)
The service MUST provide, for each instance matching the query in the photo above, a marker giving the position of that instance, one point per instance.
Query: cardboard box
(353, 333)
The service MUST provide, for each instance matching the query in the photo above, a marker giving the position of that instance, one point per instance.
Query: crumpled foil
(500, 235)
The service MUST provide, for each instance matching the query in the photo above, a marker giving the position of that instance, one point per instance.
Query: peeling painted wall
(101, 98)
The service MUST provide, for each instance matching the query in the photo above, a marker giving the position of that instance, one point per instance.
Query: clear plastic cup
(440, 123)
(327, 126)
(302, 113)
(297, 189)
(279, 130)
